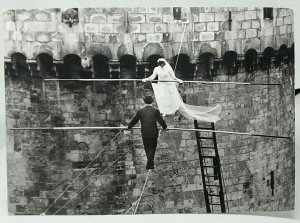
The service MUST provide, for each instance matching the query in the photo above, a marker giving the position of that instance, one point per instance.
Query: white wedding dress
(169, 100)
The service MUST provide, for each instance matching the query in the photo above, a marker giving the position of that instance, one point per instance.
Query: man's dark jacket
(148, 116)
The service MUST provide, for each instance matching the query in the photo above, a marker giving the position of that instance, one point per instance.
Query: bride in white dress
(169, 100)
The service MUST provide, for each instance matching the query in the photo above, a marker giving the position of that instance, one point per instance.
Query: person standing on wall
(148, 116)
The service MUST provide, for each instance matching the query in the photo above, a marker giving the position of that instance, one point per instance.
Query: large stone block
(246, 24)
(287, 20)
(154, 37)
(42, 16)
(238, 15)
(221, 16)
(177, 37)
(283, 29)
(206, 17)
(279, 21)
(195, 17)
(134, 28)
(200, 27)
(147, 28)
(267, 31)
(212, 26)
(106, 28)
(255, 24)
(168, 18)
(8, 15)
(154, 18)
(136, 18)
(98, 18)
(241, 34)
(229, 35)
(91, 28)
(250, 15)
(289, 29)
(282, 12)
(115, 18)
(43, 37)
(251, 33)
(22, 15)
(140, 10)
(160, 28)
(9, 26)
(206, 36)
(33, 26)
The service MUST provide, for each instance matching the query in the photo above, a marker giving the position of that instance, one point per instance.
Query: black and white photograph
(149, 110)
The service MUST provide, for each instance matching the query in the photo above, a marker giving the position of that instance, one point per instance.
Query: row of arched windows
(129, 67)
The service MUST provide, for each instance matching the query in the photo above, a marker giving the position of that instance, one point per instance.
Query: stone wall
(41, 164)
(115, 32)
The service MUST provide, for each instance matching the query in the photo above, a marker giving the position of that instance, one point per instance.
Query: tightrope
(140, 80)
(171, 129)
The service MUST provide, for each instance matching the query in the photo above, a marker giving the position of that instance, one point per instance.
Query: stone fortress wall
(218, 44)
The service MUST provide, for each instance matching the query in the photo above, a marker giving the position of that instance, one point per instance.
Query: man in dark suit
(148, 116)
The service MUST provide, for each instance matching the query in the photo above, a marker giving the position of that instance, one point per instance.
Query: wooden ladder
(210, 169)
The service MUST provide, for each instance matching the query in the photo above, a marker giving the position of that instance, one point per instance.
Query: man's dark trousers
(150, 148)
(148, 116)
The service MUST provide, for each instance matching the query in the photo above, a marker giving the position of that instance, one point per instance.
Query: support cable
(81, 173)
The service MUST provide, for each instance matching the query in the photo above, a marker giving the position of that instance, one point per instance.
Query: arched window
(72, 67)
(20, 65)
(206, 64)
(45, 64)
(127, 67)
(100, 66)
(291, 53)
(268, 59)
(231, 63)
(182, 66)
(251, 60)
(283, 55)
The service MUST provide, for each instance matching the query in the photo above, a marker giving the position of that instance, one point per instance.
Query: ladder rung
(207, 147)
(210, 185)
(208, 157)
(202, 137)
(213, 195)
(215, 204)
(209, 176)
(210, 166)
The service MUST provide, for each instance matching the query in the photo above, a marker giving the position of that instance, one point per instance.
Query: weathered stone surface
(160, 28)
(206, 17)
(212, 26)
(98, 18)
(267, 31)
(205, 36)
(37, 161)
(106, 28)
(147, 28)
(200, 27)
(241, 34)
(250, 15)
(115, 18)
(246, 25)
(154, 37)
(221, 16)
(137, 18)
(154, 18)
(91, 28)
(255, 24)
(251, 33)
(229, 35)
(34, 26)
